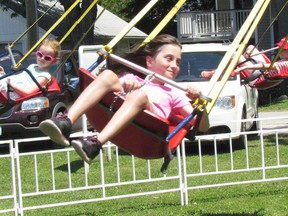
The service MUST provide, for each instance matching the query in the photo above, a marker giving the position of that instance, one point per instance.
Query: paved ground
(274, 120)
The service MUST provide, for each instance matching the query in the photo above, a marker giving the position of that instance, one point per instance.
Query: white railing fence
(53, 178)
(8, 194)
(215, 25)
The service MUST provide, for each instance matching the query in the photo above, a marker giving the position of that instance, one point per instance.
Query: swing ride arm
(47, 33)
(108, 48)
(238, 46)
(201, 104)
(248, 28)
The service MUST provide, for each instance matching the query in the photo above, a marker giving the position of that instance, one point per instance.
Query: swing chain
(149, 78)
(117, 96)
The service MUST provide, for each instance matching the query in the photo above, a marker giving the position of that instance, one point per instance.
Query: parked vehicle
(22, 120)
(237, 100)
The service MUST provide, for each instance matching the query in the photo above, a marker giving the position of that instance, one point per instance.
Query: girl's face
(284, 54)
(45, 57)
(167, 62)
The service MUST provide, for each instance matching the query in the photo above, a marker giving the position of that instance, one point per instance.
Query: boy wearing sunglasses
(47, 54)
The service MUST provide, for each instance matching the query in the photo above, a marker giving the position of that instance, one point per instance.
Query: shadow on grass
(4, 149)
(74, 166)
(208, 147)
(237, 214)
(282, 139)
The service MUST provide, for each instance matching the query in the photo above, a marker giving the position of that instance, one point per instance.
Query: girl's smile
(166, 62)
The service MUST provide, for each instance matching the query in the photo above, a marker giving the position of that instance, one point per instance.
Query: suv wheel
(241, 140)
(59, 111)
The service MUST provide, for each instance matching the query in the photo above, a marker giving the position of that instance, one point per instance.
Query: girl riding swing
(162, 55)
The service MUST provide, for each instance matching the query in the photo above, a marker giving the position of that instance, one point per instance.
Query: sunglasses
(47, 58)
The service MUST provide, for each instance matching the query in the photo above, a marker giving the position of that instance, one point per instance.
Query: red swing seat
(274, 77)
(52, 87)
(145, 137)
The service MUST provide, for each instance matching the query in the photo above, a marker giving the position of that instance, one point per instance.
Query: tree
(30, 13)
(127, 9)
(85, 24)
(31, 17)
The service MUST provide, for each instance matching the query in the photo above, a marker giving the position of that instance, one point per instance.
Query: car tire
(241, 140)
(255, 126)
(60, 111)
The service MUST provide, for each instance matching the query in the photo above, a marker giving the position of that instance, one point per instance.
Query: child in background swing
(250, 70)
(162, 55)
(47, 54)
(279, 65)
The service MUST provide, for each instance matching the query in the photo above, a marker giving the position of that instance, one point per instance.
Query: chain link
(148, 79)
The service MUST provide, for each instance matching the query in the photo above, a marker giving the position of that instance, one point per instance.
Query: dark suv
(22, 120)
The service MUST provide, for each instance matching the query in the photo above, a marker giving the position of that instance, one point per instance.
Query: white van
(237, 100)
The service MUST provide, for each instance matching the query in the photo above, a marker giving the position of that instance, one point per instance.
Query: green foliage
(128, 9)
(193, 5)
(275, 106)
(5, 3)
(271, 95)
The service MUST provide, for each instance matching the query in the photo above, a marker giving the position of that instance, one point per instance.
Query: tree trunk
(31, 17)
(85, 24)
(88, 21)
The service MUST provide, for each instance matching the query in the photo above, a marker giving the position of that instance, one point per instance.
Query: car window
(193, 63)
(67, 66)
(71, 65)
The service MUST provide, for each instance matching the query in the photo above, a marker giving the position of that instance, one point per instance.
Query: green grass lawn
(275, 107)
(269, 199)
(250, 199)
(256, 199)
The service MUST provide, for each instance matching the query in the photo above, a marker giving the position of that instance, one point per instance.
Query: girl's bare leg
(89, 148)
(106, 82)
(135, 103)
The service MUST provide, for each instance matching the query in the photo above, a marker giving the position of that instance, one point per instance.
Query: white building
(106, 27)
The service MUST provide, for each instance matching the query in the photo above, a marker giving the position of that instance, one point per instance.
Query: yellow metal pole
(237, 55)
(78, 21)
(17, 39)
(81, 39)
(131, 24)
(164, 21)
(237, 40)
(47, 33)
(246, 31)
(108, 48)
(278, 54)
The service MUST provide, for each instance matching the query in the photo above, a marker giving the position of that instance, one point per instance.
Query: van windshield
(194, 63)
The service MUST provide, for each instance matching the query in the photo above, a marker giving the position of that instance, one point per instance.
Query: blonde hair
(54, 44)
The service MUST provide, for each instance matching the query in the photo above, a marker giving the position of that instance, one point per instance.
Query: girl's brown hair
(139, 53)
